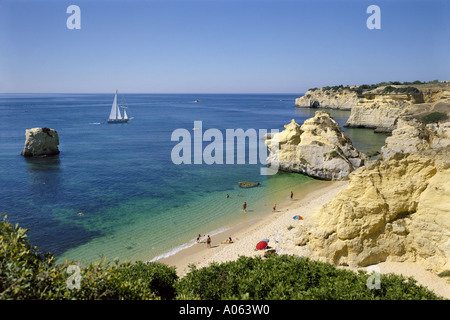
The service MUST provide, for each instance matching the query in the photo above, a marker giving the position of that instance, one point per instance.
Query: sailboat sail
(125, 114)
(113, 114)
(118, 116)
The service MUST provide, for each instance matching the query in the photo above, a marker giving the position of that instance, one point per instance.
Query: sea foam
(187, 245)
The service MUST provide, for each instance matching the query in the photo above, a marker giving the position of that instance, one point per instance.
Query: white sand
(246, 237)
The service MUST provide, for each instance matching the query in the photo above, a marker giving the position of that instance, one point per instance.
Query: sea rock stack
(318, 148)
(40, 142)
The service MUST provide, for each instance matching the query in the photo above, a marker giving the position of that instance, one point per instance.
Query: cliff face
(397, 209)
(320, 98)
(381, 111)
(318, 148)
(40, 142)
(380, 108)
(413, 136)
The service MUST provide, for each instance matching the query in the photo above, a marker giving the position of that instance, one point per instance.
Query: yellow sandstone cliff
(318, 148)
(396, 209)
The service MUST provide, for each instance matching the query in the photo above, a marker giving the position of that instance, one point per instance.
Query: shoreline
(246, 234)
(256, 211)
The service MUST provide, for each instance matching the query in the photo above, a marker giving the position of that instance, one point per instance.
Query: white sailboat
(115, 115)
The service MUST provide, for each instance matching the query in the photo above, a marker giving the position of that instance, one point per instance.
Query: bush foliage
(289, 277)
(434, 117)
(27, 274)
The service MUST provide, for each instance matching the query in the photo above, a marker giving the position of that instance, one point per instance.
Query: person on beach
(208, 242)
(274, 207)
(244, 207)
(198, 238)
(292, 195)
(228, 241)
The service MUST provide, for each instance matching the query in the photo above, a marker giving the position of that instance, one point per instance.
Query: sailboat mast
(118, 114)
(117, 108)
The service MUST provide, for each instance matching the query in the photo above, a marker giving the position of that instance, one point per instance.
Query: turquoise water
(137, 203)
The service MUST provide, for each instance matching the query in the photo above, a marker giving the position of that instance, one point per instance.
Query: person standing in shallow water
(292, 195)
(244, 207)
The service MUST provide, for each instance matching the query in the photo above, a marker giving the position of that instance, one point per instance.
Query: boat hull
(117, 120)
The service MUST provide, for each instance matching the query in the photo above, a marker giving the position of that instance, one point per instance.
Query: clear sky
(219, 46)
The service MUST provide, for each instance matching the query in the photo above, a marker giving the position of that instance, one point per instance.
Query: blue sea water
(137, 203)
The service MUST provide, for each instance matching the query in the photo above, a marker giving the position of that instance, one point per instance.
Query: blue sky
(219, 46)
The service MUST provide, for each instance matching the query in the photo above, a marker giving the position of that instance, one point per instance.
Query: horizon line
(194, 93)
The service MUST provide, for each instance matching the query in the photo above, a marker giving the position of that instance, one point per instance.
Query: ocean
(137, 203)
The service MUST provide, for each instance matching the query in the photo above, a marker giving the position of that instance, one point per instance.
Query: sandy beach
(246, 235)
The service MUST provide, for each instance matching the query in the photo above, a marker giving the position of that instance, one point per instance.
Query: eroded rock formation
(40, 142)
(396, 209)
(318, 148)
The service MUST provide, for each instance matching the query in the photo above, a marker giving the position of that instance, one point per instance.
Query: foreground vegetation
(26, 273)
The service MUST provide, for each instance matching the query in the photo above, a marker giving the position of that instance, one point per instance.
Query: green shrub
(334, 154)
(389, 89)
(434, 117)
(289, 277)
(445, 273)
(27, 274)
(139, 281)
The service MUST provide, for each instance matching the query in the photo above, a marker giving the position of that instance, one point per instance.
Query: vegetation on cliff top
(434, 117)
(26, 273)
(388, 87)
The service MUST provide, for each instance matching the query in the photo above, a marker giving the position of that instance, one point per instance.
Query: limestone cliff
(321, 98)
(381, 110)
(412, 136)
(318, 148)
(40, 142)
(396, 209)
(380, 106)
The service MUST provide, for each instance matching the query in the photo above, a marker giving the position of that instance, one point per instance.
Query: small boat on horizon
(115, 115)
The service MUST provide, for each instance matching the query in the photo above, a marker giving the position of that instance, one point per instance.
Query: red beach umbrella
(261, 245)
